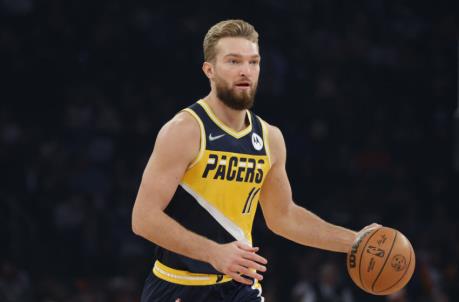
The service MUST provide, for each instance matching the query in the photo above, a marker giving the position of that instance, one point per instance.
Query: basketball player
(211, 165)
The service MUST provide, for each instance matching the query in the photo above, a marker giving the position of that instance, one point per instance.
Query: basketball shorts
(158, 290)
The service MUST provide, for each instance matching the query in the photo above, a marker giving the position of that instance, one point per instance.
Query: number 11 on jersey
(250, 198)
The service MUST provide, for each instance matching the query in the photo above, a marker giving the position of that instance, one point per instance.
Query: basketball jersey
(218, 194)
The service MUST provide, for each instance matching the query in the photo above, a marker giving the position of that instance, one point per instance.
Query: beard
(231, 98)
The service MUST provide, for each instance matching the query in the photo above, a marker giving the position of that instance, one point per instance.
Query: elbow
(135, 226)
(138, 228)
(279, 222)
(142, 223)
(274, 226)
(136, 223)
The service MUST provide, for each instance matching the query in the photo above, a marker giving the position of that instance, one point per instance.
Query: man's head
(232, 62)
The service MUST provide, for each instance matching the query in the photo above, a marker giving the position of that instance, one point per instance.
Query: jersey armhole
(202, 139)
(264, 127)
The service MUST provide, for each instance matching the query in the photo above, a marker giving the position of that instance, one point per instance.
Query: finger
(255, 257)
(246, 247)
(240, 279)
(252, 264)
(249, 273)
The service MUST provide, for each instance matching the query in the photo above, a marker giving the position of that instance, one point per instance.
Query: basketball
(381, 261)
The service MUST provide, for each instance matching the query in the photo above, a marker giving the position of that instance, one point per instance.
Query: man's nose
(245, 70)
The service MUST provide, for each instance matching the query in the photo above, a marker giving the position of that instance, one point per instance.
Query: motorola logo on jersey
(257, 142)
(234, 168)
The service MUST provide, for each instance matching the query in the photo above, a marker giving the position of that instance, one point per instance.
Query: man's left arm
(289, 220)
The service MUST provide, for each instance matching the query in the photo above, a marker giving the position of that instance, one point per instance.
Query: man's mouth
(243, 85)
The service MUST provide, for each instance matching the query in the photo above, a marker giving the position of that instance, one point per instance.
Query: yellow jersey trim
(169, 274)
(202, 145)
(219, 123)
(264, 126)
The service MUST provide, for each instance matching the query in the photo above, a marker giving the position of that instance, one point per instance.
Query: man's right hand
(237, 258)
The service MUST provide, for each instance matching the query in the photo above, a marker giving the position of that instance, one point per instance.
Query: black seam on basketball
(404, 273)
(385, 261)
(360, 261)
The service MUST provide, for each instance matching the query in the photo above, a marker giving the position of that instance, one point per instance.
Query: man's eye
(233, 62)
(254, 62)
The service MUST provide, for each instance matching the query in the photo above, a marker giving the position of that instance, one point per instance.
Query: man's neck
(234, 119)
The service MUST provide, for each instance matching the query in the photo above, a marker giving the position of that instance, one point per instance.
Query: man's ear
(208, 70)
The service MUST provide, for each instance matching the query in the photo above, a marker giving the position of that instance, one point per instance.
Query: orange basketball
(381, 261)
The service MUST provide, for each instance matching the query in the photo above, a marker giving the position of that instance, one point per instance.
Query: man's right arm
(176, 147)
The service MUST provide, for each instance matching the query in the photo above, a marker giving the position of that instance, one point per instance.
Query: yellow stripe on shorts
(186, 278)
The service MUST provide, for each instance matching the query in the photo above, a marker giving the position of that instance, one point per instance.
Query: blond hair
(227, 28)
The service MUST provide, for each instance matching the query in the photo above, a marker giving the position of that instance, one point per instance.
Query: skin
(237, 61)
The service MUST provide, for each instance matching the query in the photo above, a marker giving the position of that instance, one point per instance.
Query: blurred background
(364, 92)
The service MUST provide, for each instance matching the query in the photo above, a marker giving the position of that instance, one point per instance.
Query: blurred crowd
(363, 92)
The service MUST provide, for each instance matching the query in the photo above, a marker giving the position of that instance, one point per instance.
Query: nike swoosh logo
(212, 138)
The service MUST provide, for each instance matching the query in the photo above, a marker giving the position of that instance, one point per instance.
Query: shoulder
(276, 142)
(273, 132)
(180, 136)
(183, 124)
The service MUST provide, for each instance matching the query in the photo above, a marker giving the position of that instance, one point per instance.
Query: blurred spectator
(14, 284)
(327, 288)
